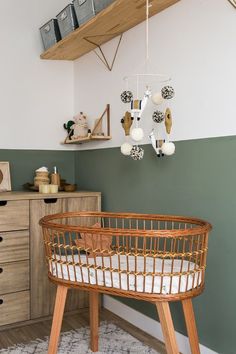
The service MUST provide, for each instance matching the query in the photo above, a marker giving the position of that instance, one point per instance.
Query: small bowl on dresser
(70, 187)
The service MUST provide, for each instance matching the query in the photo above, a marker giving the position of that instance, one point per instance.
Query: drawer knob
(3, 202)
(1, 238)
(1, 301)
(1, 270)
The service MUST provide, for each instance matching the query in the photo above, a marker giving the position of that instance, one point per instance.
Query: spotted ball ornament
(126, 96)
(167, 92)
(126, 149)
(158, 116)
(137, 153)
(137, 134)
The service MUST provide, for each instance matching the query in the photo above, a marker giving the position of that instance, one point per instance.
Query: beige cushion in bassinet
(129, 282)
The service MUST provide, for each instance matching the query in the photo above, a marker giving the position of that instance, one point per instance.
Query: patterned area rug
(112, 340)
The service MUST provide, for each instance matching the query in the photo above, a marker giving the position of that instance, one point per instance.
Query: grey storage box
(101, 4)
(67, 20)
(85, 9)
(50, 33)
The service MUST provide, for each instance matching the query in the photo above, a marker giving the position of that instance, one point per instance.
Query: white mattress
(124, 281)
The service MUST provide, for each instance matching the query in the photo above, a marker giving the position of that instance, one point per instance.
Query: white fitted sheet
(129, 282)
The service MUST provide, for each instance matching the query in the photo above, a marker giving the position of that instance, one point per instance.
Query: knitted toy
(80, 127)
(95, 243)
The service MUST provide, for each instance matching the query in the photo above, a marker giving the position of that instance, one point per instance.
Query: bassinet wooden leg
(57, 319)
(191, 325)
(94, 319)
(167, 327)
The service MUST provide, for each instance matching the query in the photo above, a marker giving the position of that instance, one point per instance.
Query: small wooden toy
(127, 121)
(97, 130)
(167, 92)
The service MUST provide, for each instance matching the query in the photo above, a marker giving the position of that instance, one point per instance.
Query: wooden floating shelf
(87, 139)
(118, 18)
(93, 135)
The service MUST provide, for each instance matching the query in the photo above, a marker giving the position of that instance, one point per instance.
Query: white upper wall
(194, 42)
(36, 95)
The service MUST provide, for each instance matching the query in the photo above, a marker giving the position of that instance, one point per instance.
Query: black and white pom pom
(167, 92)
(137, 153)
(158, 116)
(126, 96)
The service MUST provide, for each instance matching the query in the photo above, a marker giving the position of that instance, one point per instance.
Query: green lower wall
(23, 164)
(199, 180)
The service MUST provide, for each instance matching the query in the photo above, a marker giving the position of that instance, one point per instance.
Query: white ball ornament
(126, 149)
(157, 98)
(137, 134)
(168, 149)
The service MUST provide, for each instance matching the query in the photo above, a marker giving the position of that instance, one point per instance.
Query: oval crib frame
(193, 229)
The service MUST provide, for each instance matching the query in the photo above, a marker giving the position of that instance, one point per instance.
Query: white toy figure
(155, 144)
(80, 127)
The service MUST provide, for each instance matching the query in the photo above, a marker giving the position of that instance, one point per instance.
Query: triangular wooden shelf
(92, 136)
(116, 19)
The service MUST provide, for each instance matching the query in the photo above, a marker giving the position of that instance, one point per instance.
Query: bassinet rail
(150, 257)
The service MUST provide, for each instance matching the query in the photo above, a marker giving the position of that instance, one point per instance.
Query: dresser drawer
(14, 246)
(14, 277)
(14, 215)
(14, 307)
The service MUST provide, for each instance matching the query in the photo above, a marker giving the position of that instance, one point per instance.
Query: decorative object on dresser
(83, 134)
(5, 178)
(41, 176)
(55, 177)
(25, 292)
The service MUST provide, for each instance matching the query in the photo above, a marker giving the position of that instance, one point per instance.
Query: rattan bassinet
(156, 258)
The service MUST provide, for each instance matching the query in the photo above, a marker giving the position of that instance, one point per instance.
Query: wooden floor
(25, 334)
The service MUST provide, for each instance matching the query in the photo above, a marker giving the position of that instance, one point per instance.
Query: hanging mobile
(138, 106)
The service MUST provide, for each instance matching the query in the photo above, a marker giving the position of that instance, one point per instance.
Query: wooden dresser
(25, 292)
